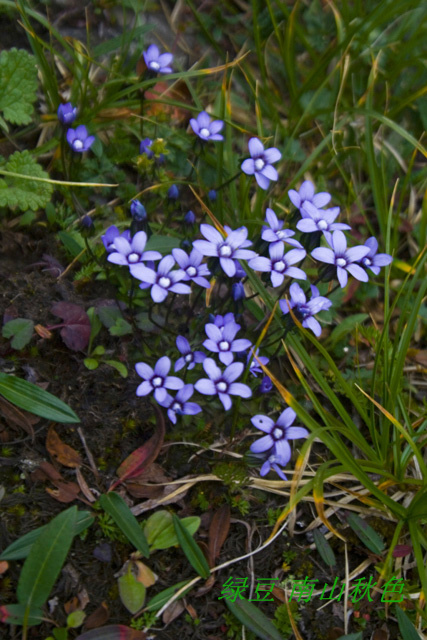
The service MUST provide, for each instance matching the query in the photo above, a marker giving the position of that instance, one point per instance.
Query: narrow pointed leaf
(117, 508)
(324, 548)
(406, 627)
(20, 549)
(161, 598)
(32, 398)
(368, 536)
(45, 560)
(194, 554)
(254, 619)
(218, 532)
(15, 614)
(113, 632)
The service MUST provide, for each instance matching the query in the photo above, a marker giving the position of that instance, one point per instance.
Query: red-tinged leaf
(142, 457)
(76, 330)
(401, 550)
(113, 632)
(218, 532)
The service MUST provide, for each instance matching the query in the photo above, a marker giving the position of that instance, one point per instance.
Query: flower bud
(173, 192)
(67, 113)
(138, 211)
(189, 218)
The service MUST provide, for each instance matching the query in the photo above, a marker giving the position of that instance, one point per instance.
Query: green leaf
(112, 632)
(15, 614)
(324, 548)
(406, 627)
(109, 315)
(117, 508)
(160, 532)
(28, 396)
(164, 244)
(75, 619)
(119, 41)
(18, 85)
(418, 507)
(132, 592)
(22, 331)
(20, 549)
(346, 326)
(161, 598)
(17, 190)
(121, 327)
(368, 536)
(72, 241)
(193, 552)
(352, 636)
(119, 366)
(254, 619)
(91, 363)
(44, 562)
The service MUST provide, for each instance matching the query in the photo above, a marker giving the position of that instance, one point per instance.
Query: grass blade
(194, 555)
(254, 619)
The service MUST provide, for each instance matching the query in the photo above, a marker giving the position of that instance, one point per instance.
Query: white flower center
(225, 251)
(341, 262)
(188, 357)
(322, 224)
(277, 433)
(273, 459)
(191, 271)
(280, 234)
(205, 132)
(221, 387)
(78, 144)
(259, 164)
(133, 257)
(367, 262)
(164, 282)
(154, 65)
(157, 381)
(280, 266)
(176, 406)
(224, 345)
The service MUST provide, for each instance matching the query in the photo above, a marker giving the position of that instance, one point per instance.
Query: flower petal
(264, 423)
(263, 444)
(256, 148)
(248, 166)
(206, 387)
(239, 389)
(272, 155)
(294, 433)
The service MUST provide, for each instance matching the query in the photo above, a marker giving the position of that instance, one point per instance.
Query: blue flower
(192, 267)
(212, 195)
(144, 147)
(189, 218)
(173, 192)
(221, 321)
(237, 291)
(278, 434)
(222, 341)
(315, 219)
(279, 264)
(222, 383)
(226, 249)
(111, 234)
(255, 367)
(275, 232)
(189, 357)
(260, 163)
(206, 128)
(67, 113)
(138, 211)
(130, 253)
(306, 194)
(156, 61)
(79, 139)
(306, 310)
(157, 379)
(344, 259)
(163, 281)
(374, 260)
(179, 406)
(266, 385)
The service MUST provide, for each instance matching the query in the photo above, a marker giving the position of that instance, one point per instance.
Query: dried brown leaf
(65, 491)
(172, 612)
(218, 532)
(98, 618)
(18, 417)
(62, 452)
(84, 488)
(43, 332)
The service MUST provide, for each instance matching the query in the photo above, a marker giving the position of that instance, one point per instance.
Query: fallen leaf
(142, 457)
(46, 470)
(191, 610)
(401, 550)
(99, 617)
(144, 574)
(75, 330)
(62, 452)
(78, 603)
(84, 488)
(172, 612)
(43, 332)
(113, 632)
(381, 634)
(218, 532)
(18, 417)
(4, 566)
(65, 491)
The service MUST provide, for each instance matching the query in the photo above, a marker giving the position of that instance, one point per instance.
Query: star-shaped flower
(157, 379)
(156, 61)
(278, 434)
(222, 383)
(260, 163)
(226, 249)
(344, 259)
(279, 263)
(206, 128)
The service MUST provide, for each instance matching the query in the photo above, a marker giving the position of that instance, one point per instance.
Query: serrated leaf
(406, 627)
(20, 549)
(254, 619)
(367, 535)
(160, 532)
(44, 562)
(161, 598)
(132, 592)
(117, 508)
(32, 398)
(18, 85)
(118, 366)
(324, 548)
(22, 331)
(20, 191)
(189, 546)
